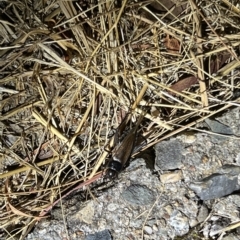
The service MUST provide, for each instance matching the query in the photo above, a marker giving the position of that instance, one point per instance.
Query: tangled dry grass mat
(71, 70)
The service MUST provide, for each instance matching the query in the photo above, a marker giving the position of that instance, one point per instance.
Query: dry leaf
(184, 84)
(172, 44)
(218, 62)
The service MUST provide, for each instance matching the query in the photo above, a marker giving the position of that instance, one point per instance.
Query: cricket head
(114, 167)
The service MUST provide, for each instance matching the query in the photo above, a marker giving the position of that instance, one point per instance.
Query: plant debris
(71, 70)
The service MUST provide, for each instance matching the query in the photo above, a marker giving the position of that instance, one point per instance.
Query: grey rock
(220, 128)
(218, 184)
(169, 155)
(103, 235)
(136, 163)
(139, 195)
(179, 222)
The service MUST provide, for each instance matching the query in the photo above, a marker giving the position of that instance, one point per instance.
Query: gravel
(190, 193)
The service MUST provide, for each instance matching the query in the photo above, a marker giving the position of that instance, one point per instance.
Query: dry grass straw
(69, 73)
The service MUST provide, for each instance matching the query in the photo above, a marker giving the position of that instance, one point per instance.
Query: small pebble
(179, 222)
(171, 177)
(103, 235)
(202, 214)
(148, 230)
(112, 207)
(189, 138)
(155, 228)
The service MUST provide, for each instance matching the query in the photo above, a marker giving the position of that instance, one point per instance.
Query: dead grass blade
(70, 73)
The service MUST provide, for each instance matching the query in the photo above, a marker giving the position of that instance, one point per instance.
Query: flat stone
(169, 155)
(139, 195)
(218, 184)
(103, 235)
(218, 127)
